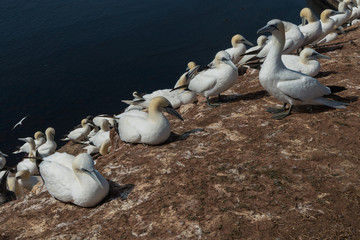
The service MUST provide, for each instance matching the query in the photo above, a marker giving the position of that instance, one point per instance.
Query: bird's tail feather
(331, 103)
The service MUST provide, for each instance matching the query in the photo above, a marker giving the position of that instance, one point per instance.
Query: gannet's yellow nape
(104, 149)
(307, 15)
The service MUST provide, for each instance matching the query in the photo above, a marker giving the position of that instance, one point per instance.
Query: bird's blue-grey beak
(322, 56)
(303, 21)
(173, 112)
(267, 28)
(92, 174)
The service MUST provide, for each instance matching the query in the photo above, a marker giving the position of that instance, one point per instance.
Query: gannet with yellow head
(151, 128)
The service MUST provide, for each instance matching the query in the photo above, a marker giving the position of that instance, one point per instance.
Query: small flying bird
(19, 123)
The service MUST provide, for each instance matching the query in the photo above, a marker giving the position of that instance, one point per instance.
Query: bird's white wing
(203, 81)
(58, 180)
(302, 87)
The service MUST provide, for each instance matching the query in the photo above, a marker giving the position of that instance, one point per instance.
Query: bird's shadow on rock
(325, 74)
(244, 97)
(174, 137)
(118, 191)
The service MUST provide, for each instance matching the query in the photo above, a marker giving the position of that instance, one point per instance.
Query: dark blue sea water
(63, 60)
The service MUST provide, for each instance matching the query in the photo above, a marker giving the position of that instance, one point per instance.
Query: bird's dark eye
(275, 26)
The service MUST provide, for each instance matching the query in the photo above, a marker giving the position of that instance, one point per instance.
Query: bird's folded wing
(303, 88)
(202, 82)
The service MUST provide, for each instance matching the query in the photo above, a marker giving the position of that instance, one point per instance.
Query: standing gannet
(30, 162)
(306, 63)
(49, 146)
(5, 194)
(79, 134)
(286, 85)
(25, 179)
(151, 128)
(2, 160)
(327, 24)
(39, 140)
(213, 81)
(312, 30)
(73, 179)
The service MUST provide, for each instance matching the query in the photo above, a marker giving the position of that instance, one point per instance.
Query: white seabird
(102, 135)
(30, 162)
(78, 134)
(39, 140)
(312, 30)
(346, 8)
(327, 24)
(214, 81)
(286, 85)
(305, 63)
(179, 96)
(238, 48)
(25, 179)
(50, 145)
(73, 179)
(294, 37)
(151, 128)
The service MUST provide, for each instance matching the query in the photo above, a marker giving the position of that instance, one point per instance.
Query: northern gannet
(25, 179)
(286, 85)
(238, 47)
(73, 179)
(151, 128)
(5, 194)
(50, 145)
(19, 123)
(15, 187)
(213, 81)
(102, 135)
(294, 37)
(78, 134)
(39, 140)
(346, 8)
(327, 24)
(29, 163)
(178, 97)
(305, 63)
(312, 30)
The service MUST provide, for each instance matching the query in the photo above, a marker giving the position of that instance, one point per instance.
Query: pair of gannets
(39, 140)
(214, 81)
(79, 134)
(100, 142)
(73, 179)
(151, 128)
(312, 30)
(305, 63)
(178, 97)
(288, 86)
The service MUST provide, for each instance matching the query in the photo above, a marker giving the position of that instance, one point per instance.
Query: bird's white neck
(273, 58)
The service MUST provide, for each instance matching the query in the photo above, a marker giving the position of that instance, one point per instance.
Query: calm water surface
(63, 60)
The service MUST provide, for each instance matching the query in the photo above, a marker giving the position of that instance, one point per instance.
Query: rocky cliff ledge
(226, 173)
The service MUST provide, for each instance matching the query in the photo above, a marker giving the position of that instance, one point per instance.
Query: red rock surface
(226, 173)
